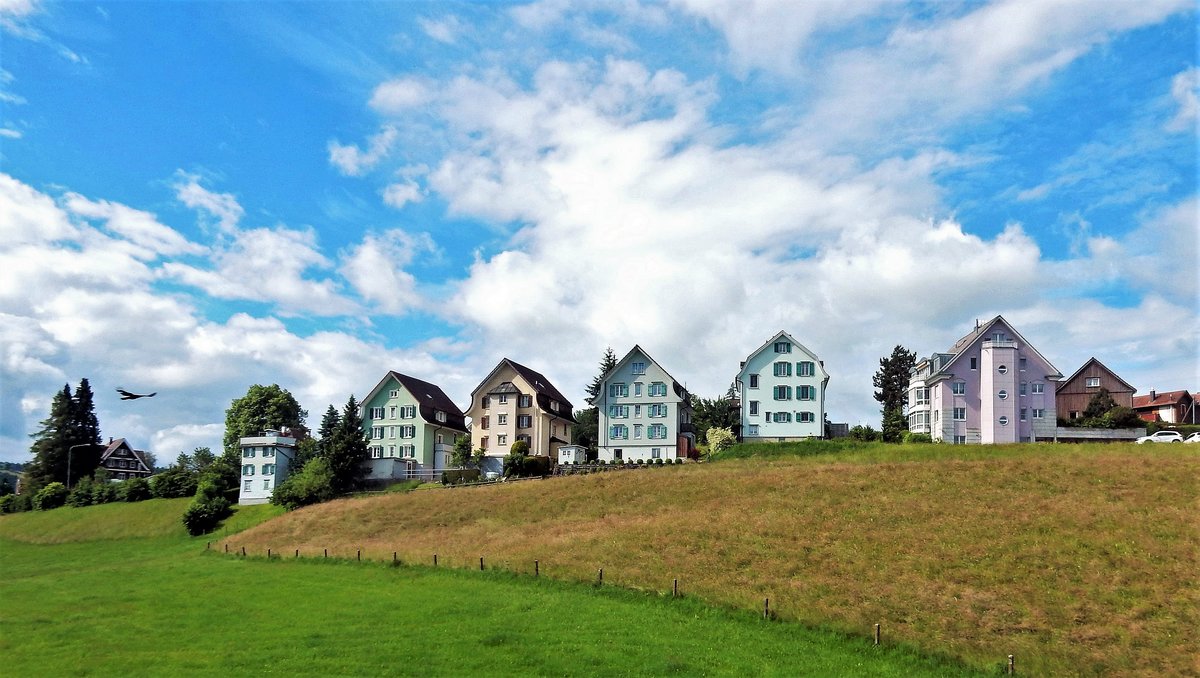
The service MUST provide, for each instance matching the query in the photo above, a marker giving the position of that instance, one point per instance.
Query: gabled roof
(117, 444)
(1102, 366)
(782, 334)
(1160, 399)
(543, 389)
(963, 344)
(430, 400)
(678, 388)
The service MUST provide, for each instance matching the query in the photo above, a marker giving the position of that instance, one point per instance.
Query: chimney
(977, 323)
(1152, 395)
(110, 440)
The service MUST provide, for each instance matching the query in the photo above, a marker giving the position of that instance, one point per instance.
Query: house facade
(991, 386)
(782, 390)
(266, 460)
(411, 425)
(515, 403)
(1072, 395)
(644, 413)
(1172, 407)
(123, 462)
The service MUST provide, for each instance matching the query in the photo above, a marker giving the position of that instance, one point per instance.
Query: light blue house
(782, 389)
(644, 413)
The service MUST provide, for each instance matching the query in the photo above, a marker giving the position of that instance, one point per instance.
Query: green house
(411, 425)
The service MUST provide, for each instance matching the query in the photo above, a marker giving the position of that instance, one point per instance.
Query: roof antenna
(977, 323)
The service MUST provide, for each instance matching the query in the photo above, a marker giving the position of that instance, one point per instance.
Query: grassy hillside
(118, 521)
(1076, 559)
(162, 605)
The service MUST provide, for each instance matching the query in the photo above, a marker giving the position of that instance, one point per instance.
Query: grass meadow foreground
(119, 590)
(1078, 560)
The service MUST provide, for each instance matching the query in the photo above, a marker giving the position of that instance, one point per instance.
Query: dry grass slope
(1077, 560)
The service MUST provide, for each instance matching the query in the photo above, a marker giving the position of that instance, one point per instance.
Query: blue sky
(195, 197)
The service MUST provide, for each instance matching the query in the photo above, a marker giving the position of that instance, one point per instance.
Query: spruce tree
(51, 444)
(347, 450)
(329, 424)
(85, 429)
(606, 365)
(892, 379)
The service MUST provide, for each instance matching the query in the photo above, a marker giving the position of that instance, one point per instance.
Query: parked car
(1194, 438)
(1161, 437)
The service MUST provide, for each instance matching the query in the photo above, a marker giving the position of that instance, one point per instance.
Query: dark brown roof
(117, 444)
(545, 390)
(431, 399)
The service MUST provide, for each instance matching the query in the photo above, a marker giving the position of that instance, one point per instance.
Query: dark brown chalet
(123, 462)
(1072, 395)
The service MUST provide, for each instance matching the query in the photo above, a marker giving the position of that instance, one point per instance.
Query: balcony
(992, 343)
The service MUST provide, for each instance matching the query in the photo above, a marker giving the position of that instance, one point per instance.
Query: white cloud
(223, 206)
(400, 194)
(375, 268)
(401, 94)
(17, 8)
(446, 29)
(27, 215)
(1185, 89)
(150, 238)
(352, 161)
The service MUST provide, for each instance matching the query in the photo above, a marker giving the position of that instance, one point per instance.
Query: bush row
(460, 476)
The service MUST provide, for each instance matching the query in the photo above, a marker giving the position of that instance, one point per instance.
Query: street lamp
(69, 451)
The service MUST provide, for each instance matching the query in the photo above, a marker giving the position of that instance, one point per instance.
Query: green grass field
(120, 590)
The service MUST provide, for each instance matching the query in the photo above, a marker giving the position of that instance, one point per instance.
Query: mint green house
(411, 426)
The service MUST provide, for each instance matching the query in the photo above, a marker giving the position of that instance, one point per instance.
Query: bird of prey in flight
(126, 395)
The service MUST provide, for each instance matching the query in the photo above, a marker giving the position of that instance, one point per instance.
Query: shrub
(136, 489)
(7, 503)
(659, 462)
(312, 485)
(81, 494)
(460, 476)
(519, 447)
(204, 515)
(719, 440)
(104, 492)
(50, 497)
(173, 483)
(863, 432)
(918, 438)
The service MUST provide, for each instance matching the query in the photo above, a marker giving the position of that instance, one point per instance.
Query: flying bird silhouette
(126, 395)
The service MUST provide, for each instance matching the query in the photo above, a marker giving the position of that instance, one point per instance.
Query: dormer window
(440, 416)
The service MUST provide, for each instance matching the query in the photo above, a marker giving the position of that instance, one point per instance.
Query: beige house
(516, 403)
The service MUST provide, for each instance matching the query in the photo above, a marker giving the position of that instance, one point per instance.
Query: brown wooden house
(1073, 394)
(1173, 407)
(123, 462)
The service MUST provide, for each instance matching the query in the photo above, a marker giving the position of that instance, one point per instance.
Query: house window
(502, 439)
(805, 417)
(1003, 421)
(1003, 369)
(408, 451)
(504, 399)
(782, 417)
(754, 381)
(248, 453)
(657, 432)
(657, 389)
(268, 451)
(753, 407)
(248, 470)
(783, 347)
(657, 410)
(753, 430)
(974, 363)
(377, 413)
(391, 451)
(554, 405)
(960, 440)
(1093, 382)
(409, 431)
(618, 431)
(1039, 387)
(501, 419)
(408, 412)
(524, 401)
(440, 416)
(266, 483)
(376, 432)
(656, 453)
(1024, 387)
(394, 393)
(783, 392)
(1022, 414)
(960, 414)
(618, 411)
(637, 388)
(485, 422)
(805, 369)
(618, 391)
(782, 369)
(998, 336)
(376, 451)
(268, 469)
(638, 368)
(522, 438)
(483, 443)
(524, 421)
(1038, 413)
(391, 431)
(958, 387)
(637, 431)
(245, 485)
(637, 411)
(1002, 394)
(617, 454)
(486, 402)
(1021, 362)
(806, 393)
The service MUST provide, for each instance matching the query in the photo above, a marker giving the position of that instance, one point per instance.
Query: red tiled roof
(1159, 399)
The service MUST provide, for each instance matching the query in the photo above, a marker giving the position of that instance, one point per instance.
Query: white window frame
(1038, 387)
(956, 415)
(637, 367)
(1092, 382)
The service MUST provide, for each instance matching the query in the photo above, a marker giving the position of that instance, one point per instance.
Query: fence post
(358, 555)
(536, 569)
(393, 556)
(243, 551)
(435, 560)
(227, 548)
(297, 553)
(600, 577)
(481, 563)
(268, 554)
(1012, 666)
(675, 589)
(326, 553)
(766, 608)
(877, 634)
(207, 545)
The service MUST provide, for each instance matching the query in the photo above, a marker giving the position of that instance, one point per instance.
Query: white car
(1161, 437)
(1194, 438)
